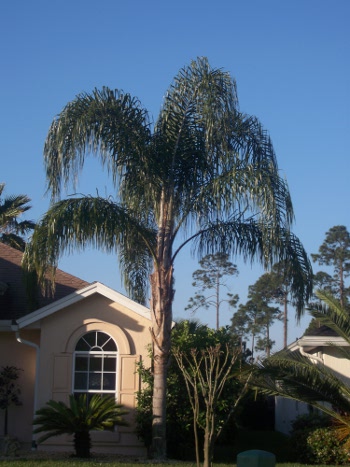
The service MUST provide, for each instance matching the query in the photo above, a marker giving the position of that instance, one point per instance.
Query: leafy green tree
(209, 280)
(295, 376)
(12, 229)
(9, 391)
(205, 173)
(78, 419)
(335, 252)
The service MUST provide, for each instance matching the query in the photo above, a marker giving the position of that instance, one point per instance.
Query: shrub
(325, 448)
(313, 441)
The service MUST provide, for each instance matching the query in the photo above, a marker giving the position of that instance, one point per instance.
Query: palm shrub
(78, 419)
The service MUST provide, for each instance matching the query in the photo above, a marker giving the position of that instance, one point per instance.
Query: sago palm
(203, 173)
(11, 228)
(78, 419)
(295, 376)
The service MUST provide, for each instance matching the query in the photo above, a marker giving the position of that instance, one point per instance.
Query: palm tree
(78, 419)
(11, 229)
(204, 170)
(295, 376)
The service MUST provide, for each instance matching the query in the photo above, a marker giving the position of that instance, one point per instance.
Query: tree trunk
(82, 444)
(208, 449)
(161, 312)
(285, 322)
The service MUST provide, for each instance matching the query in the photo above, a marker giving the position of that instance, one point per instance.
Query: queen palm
(203, 170)
(11, 229)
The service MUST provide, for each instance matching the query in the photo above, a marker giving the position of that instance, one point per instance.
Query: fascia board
(322, 341)
(95, 287)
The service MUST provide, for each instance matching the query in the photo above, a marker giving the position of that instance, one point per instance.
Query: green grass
(99, 463)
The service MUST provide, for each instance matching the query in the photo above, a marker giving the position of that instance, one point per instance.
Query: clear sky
(290, 59)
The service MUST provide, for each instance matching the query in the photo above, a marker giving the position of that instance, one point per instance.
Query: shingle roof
(14, 302)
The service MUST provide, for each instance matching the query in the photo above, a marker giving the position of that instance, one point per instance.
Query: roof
(15, 301)
(90, 289)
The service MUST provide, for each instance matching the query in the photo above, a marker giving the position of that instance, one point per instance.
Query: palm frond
(107, 123)
(251, 240)
(331, 314)
(76, 223)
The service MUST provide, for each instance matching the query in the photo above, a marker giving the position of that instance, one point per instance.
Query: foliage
(210, 279)
(205, 173)
(9, 391)
(11, 229)
(256, 316)
(335, 252)
(79, 418)
(313, 441)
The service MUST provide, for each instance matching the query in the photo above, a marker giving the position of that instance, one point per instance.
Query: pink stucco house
(86, 339)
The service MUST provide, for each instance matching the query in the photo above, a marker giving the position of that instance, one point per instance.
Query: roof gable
(95, 287)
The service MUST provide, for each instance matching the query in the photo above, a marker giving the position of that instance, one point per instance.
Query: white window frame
(104, 355)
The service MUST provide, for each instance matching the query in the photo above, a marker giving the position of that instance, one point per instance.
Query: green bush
(313, 441)
(325, 448)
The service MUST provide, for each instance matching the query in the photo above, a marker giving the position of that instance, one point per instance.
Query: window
(95, 364)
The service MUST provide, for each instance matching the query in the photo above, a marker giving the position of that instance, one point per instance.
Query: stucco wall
(12, 353)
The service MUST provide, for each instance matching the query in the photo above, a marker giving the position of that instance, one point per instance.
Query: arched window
(95, 364)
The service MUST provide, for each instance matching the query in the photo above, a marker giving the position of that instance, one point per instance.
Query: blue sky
(290, 60)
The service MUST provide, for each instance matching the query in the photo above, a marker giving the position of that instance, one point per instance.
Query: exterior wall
(334, 359)
(12, 353)
(59, 335)
(286, 411)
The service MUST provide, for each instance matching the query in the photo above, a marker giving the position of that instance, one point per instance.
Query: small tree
(206, 373)
(79, 418)
(9, 391)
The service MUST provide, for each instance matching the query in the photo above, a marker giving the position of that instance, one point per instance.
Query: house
(86, 338)
(323, 346)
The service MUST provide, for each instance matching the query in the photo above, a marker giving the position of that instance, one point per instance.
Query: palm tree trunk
(82, 444)
(285, 322)
(161, 311)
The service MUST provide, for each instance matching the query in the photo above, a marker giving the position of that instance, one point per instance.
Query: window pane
(109, 363)
(110, 346)
(81, 363)
(109, 381)
(95, 381)
(95, 363)
(90, 338)
(82, 345)
(102, 338)
(80, 381)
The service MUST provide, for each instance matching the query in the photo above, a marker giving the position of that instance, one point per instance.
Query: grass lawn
(99, 463)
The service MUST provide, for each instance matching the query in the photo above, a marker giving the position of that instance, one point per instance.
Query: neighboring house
(322, 347)
(87, 338)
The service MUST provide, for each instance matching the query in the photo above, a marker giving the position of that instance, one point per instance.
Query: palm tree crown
(11, 229)
(204, 170)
